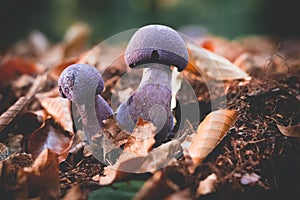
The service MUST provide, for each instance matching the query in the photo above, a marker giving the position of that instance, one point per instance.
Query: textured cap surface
(156, 44)
(80, 83)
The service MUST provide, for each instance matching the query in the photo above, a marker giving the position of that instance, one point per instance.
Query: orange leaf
(290, 131)
(14, 66)
(210, 132)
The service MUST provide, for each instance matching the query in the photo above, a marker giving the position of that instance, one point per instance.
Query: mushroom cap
(80, 83)
(156, 44)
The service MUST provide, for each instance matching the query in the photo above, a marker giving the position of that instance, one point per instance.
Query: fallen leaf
(207, 186)
(57, 70)
(60, 109)
(7, 117)
(157, 187)
(211, 65)
(11, 67)
(9, 169)
(138, 155)
(42, 178)
(290, 131)
(76, 193)
(129, 163)
(210, 132)
(185, 194)
(110, 175)
(50, 136)
(75, 38)
(142, 138)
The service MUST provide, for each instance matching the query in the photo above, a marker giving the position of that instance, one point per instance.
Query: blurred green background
(228, 18)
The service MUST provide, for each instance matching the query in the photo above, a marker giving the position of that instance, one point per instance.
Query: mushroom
(155, 48)
(82, 85)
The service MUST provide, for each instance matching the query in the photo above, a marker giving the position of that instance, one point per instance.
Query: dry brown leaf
(207, 185)
(75, 38)
(290, 131)
(142, 138)
(210, 132)
(60, 109)
(130, 163)
(214, 66)
(42, 178)
(157, 187)
(113, 132)
(50, 136)
(76, 193)
(57, 70)
(7, 117)
(9, 168)
(111, 175)
(185, 194)
(137, 156)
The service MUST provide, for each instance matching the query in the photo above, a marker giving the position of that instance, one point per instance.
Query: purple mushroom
(155, 48)
(82, 84)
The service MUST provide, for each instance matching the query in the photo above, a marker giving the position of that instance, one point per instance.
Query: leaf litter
(253, 155)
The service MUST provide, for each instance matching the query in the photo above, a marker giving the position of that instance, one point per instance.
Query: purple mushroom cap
(156, 44)
(80, 82)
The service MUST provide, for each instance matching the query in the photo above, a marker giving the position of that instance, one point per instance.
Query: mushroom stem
(92, 116)
(157, 74)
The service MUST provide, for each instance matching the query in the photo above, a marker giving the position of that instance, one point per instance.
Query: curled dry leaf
(210, 132)
(290, 131)
(60, 109)
(50, 136)
(7, 117)
(129, 163)
(10, 183)
(142, 138)
(113, 132)
(207, 186)
(42, 178)
(139, 156)
(211, 65)
(76, 193)
(159, 186)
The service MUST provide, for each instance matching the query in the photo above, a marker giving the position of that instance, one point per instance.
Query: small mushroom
(155, 48)
(82, 85)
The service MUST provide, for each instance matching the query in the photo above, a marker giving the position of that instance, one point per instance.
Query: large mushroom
(82, 85)
(155, 48)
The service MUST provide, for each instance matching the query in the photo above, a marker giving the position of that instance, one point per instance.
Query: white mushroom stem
(157, 73)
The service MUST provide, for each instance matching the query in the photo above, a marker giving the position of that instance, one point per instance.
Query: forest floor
(259, 158)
